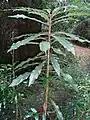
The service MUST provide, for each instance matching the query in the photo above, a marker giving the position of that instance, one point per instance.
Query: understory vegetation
(52, 85)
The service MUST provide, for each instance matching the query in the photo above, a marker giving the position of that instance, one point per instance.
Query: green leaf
(63, 18)
(33, 114)
(59, 114)
(37, 117)
(29, 35)
(29, 114)
(26, 17)
(72, 37)
(23, 63)
(41, 13)
(58, 51)
(44, 46)
(56, 10)
(59, 10)
(33, 110)
(58, 21)
(26, 62)
(78, 110)
(48, 11)
(56, 65)
(69, 79)
(35, 73)
(23, 42)
(65, 43)
(43, 117)
(25, 66)
(19, 79)
(78, 14)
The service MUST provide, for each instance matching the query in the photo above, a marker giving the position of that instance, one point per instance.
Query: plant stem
(14, 78)
(48, 66)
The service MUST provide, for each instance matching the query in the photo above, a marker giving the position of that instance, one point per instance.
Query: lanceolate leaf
(38, 12)
(59, 114)
(60, 18)
(78, 14)
(47, 11)
(56, 10)
(19, 79)
(58, 51)
(44, 46)
(37, 117)
(27, 62)
(43, 117)
(35, 73)
(29, 35)
(26, 17)
(23, 63)
(69, 15)
(72, 37)
(56, 65)
(43, 15)
(59, 10)
(65, 43)
(23, 42)
(69, 79)
(58, 21)
(33, 110)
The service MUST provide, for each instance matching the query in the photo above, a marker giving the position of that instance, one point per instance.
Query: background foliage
(21, 100)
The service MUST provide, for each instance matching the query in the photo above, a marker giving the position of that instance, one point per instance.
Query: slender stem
(48, 66)
(13, 57)
(14, 78)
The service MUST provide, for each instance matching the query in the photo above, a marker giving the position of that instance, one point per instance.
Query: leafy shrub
(53, 46)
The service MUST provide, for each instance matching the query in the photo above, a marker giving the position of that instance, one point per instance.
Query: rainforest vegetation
(44, 60)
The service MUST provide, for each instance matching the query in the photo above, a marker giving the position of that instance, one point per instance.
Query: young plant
(49, 51)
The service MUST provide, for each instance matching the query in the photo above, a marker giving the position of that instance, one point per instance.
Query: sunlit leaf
(77, 38)
(41, 13)
(34, 110)
(69, 79)
(47, 10)
(37, 117)
(25, 66)
(33, 114)
(65, 43)
(59, 10)
(23, 63)
(26, 17)
(35, 73)
(31, 34)
(56, 65)
(44, 46)
(59, 114)
(58, 21)
(43, 117)
(62, 18)
(26, 62)
(58, 51)
(23, 42)
(72, 37)
(19, 79)
(56, 10)
(78, 14)
(29, 114)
